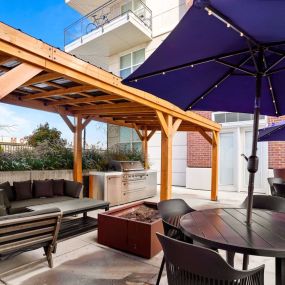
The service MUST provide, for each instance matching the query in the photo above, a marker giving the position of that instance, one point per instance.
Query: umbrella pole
(252, 165)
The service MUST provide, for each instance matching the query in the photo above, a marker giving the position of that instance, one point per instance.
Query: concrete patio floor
(82, 260)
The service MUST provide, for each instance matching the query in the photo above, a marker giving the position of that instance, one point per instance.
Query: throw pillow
(43, 188)
(58, 187)
(72, 188)
(23, 190)
(8, 190)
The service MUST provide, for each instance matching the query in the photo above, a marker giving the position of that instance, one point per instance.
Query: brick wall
(276, 150)
(199, 151)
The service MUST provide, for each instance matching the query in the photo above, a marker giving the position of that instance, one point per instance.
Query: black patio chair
(171, 211)
(267, 202)
(279, 189)
(271, 181)
(190, 264)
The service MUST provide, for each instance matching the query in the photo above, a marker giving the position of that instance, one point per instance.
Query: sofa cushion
(21, 205)
(23, 190)
(8, 190)
(72, 188)
(43, 188)
(4, 201)
(58, 187)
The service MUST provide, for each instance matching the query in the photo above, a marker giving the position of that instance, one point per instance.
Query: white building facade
(118, 36)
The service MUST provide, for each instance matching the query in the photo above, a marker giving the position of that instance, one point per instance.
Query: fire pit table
(130, 229)
(71, 227)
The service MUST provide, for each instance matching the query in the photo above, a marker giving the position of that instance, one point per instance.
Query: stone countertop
(104, 173)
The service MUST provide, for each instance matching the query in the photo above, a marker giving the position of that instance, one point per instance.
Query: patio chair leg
(48, 253)
(245, 261)
(160, 271)
(231, 258)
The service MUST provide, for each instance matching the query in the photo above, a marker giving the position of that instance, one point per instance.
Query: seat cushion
(58, 187)
(8, 190)
(43, 188)
(72, 188)
(16, 205)
(23, 190)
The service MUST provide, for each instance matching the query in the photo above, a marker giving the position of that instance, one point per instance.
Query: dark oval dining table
(226, 228)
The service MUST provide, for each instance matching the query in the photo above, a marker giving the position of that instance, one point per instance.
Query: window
(129, 139)
(130, 62)
(234, 117)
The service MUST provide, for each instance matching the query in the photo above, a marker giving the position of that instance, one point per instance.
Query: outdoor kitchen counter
(120, 187)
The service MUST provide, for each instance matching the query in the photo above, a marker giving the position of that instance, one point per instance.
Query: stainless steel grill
(126, 181)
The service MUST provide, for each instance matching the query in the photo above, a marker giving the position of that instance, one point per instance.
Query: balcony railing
(104, 15)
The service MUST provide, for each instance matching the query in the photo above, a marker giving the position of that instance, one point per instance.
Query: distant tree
(43, 133)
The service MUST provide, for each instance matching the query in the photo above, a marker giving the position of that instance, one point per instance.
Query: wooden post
(168, 129)
(77, 163)
(215, 166)
(145, 148)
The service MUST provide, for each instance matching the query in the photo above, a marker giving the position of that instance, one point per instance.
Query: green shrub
(49, 156)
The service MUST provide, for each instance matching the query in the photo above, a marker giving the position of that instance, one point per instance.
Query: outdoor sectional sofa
(18, 197)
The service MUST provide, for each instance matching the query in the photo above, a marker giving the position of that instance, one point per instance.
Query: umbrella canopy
(224, 55)
(275, 132)
(213, 56)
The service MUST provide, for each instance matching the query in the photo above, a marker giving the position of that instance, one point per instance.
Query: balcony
(111, 28)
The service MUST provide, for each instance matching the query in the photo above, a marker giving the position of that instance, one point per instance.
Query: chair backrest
(173, 208)
(267, 202)
(280, 189)
(190, 264)
(272, 180)
(28, 230)
(171, 211)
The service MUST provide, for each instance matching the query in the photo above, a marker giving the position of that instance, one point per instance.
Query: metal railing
(13, 147)
(105, 14)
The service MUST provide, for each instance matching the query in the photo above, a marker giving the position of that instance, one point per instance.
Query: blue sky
(46, 20)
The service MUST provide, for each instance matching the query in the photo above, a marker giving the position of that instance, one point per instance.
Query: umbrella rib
(271, 88)
(220, 16)
(271, 132)
(235, 66)
(274, 64)
(188, 64)
(275, 71)
(215, 85)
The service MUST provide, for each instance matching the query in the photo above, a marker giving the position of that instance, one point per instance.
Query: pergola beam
(58, 92)
(17, 76)
(52, 59)
(68, 122)
(89, 99)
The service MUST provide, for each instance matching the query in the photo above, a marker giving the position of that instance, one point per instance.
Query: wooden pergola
(36, 75)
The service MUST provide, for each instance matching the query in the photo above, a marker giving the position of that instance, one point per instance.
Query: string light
(163, 73)
(210, 12)
(241, 34)
(228, 25)
(216, 86)
(192, 65)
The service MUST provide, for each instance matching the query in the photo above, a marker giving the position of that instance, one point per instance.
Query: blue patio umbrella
(224, 55)
(274, 132)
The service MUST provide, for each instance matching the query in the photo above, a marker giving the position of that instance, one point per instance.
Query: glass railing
(105, 14)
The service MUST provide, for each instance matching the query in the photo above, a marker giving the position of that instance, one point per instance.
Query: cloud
(17, 122)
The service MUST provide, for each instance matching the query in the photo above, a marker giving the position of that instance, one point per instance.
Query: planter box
(127, 235)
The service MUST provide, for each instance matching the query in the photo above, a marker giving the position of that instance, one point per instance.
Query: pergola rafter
(45, 78)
